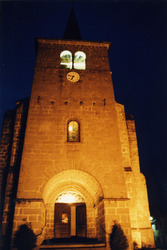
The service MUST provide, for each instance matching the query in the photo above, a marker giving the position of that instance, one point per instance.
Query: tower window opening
(79, 60)
(66, 59)
(73, 131)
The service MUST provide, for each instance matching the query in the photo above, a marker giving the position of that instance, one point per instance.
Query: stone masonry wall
(46, 149)
(48, 53)
(139, 210)
(117, 210)
(30, 211)
(137, 192)
(134, 154)
(13, 169)
(100, 222)
(135, 182)
(123, 134)
(49, 231)
(91, 221)
(5, 149)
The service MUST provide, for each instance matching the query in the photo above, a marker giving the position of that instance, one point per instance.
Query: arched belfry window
(79, 60)
(73, 131)
(66, 59)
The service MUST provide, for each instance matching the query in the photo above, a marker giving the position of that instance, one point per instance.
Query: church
(69, 155)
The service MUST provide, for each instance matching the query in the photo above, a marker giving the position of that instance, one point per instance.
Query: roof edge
(73, 42)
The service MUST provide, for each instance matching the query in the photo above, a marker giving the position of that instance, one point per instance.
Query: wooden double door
(70, 220)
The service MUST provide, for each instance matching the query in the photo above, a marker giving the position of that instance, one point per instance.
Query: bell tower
(79, 169)
(71, 129)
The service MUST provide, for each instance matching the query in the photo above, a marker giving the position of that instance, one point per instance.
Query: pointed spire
(72, 31)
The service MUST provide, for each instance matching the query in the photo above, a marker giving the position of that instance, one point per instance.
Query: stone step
(99, 246)
(84, 248)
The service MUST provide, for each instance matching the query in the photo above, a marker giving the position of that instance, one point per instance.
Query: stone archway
(82, 182)
(82, 185)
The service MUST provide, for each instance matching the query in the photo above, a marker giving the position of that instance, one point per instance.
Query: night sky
(138, 55)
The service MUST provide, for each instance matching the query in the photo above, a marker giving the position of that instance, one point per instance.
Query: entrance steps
(74, 247)
(73, 243)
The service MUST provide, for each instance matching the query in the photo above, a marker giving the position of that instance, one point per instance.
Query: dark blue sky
(138, 35)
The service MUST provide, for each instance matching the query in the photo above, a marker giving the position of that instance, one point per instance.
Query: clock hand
(72, 77)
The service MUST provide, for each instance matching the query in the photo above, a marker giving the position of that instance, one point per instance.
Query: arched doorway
(69, 216)
(87, 193)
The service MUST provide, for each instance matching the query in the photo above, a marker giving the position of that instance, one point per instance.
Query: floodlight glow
(66, 53)
(69, 197)
(70, 128)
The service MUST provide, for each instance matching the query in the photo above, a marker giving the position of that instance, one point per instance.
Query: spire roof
(72, 31)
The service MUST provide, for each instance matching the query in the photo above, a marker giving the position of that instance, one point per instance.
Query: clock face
(73, 76)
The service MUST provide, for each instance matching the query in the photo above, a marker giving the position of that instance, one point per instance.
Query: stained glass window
(73, 133)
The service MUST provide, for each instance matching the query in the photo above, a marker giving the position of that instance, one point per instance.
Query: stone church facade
(69, 158)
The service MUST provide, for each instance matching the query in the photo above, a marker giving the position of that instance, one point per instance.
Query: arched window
(79, 60)
(66, 59)
(73, 131)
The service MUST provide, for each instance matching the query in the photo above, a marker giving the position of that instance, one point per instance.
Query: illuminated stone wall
(10, 155)
(137, 191)
(5, 146)
(54, 101)
(135, 181)
(103, 168)
(30, 211)
(5, 151)
(117, 210)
